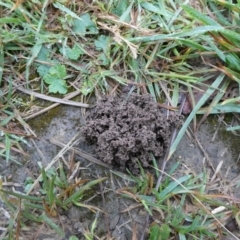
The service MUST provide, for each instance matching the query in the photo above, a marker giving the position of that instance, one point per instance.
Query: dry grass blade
(67, 147)
(52, 99)
(82, 154)
(3, 146)
(67, 97)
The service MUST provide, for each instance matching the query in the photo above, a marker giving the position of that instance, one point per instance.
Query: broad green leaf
(159, 232)
(74, 53)
(58, 85)
(84, 25)
(55, 79)
(164, 232)
(58, 70)
(43, 70)
(43, 54)
(104, 59)
(87, 87)
(155, 232)
(102, 43)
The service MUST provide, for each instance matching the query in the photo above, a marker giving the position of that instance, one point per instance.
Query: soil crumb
(128, 129)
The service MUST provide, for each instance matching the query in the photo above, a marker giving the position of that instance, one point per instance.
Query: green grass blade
(216, 99)
(177, 36)
(19, 195)
(153, 8)
(7, 119)
(172, 186)
(230, 6)
(51, 195)
(66, 10)
(193, 44)
(125, 15)
(232, 36)
(77, 195)
(201, 17)
(9, 20)
(45, 180)
(220, 17)
(233, 128)
(204, 98)
(1, 63)
(7, 147)
(52, 225)
(219, 108)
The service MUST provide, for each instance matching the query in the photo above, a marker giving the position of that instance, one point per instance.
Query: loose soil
(128, 129)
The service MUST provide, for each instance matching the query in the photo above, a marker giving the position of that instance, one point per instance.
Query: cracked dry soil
(128, 129)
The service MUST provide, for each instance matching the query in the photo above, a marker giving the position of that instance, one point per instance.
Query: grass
(183, 208)
(70, 48)
(57, 193)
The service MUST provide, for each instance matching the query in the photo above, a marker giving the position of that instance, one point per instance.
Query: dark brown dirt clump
(129, 128)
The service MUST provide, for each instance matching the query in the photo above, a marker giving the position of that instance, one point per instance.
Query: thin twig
(220, 120)
(51, 99)
(203, 150)
(69, 96)
(66, 147)
(81, 153)
(106, 218)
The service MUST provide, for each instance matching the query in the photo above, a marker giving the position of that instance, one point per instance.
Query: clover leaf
(55, 79)
(84, 26)
(74, 53)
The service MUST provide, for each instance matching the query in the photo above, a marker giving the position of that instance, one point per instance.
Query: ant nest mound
(129, 129)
